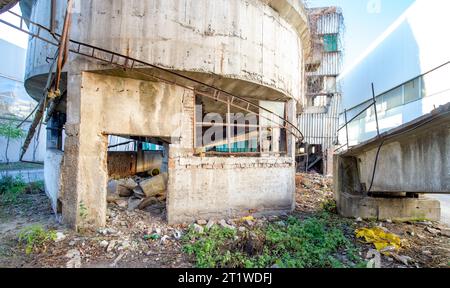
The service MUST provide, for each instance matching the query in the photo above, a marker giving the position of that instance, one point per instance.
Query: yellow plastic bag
(380, 239)
(247, 218)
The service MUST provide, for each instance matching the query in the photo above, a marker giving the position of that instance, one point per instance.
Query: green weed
(312, 243)
(35, 238)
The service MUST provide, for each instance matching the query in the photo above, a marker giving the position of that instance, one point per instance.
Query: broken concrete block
(133, 203)
(124, 191)
(147, 202)
(138, 192)
(155, 185)
(127, 183)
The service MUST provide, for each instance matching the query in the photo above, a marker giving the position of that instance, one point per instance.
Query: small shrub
(330, 206)
(11, 188)
(35, 238)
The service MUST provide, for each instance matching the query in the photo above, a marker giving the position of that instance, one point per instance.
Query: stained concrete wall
(216, 188)
(414, 163)
(99, 105)
(260, 43)
(52, 176)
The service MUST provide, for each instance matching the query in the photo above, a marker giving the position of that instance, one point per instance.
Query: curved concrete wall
(261, 43)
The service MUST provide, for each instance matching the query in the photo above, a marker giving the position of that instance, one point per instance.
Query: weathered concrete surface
(414, 158)
(216, 188)
(255, 48)
(396, 209)
(99, 105)
(415, 161)
(52, 176)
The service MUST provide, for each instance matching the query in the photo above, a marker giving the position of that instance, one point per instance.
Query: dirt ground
(143, 239)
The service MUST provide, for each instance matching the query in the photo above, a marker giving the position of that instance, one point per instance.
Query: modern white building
(16, 104)
(408, 66)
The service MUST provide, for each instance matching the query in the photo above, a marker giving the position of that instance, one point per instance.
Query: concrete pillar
(84, 173)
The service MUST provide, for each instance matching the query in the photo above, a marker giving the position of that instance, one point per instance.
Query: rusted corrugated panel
(320, 128)
(329, 24)
(330, 65)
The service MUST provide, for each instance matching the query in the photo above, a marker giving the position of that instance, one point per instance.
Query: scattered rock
(198, 228)
(111, 246)
(445, 233)
(210, 224)
(122, 203)
(74, 259)
(164, 239)
(60, 237)
(138, 192)
(133, 203)
(432, 231)
(147, 202)
(224, 224)
(388, 221)
(359, 219)
(405, 260)
(202, 222)
(242, 229)
(104, 244)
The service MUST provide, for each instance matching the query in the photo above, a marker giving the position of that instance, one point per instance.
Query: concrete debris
(406, 260)
(445, 232)
(375, 259)
(128, 183)
(122, 203)
(147, 202)
(133, 203)
(197, 228)
(202, 222)
(210, 224)
(60, 237)
(154, 186)
(432, 231)
(224, 224)
(74, 259)
(138, 192)
(104, 244)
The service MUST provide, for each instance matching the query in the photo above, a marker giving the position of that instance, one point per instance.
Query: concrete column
(84, 173)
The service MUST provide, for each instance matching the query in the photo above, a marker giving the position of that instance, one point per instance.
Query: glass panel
(412, 91)
(330, 43)
(393, 98)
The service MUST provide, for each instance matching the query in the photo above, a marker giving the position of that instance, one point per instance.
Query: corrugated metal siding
(329, 24)
(330, 65)
(320, 128)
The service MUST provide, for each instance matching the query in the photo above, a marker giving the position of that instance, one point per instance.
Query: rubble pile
(138, 193)
(313, 190)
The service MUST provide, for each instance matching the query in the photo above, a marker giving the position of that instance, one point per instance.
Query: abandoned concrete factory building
(214, 82)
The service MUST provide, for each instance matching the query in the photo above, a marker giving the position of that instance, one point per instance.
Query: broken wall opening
(138, 173)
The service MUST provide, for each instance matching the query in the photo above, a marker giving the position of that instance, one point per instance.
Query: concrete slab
(396, 209)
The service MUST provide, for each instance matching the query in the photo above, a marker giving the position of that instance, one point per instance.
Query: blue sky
(365, 20)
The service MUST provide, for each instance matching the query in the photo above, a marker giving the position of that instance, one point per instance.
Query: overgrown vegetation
(9, 130)
(35, 238)
(293, 243)
(11, 188)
